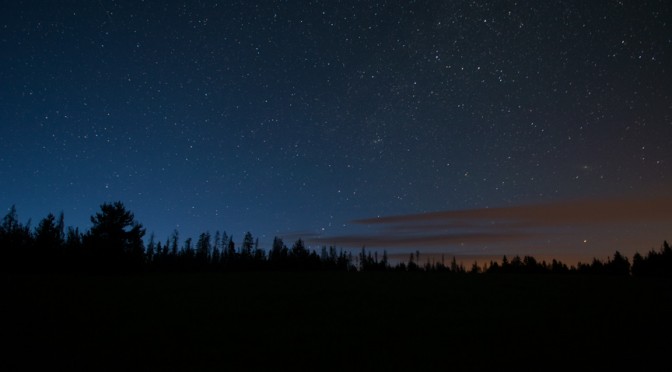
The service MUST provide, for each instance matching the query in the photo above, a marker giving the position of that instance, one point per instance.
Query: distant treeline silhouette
(115, 244)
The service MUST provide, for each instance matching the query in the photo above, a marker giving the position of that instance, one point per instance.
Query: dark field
(337, 320)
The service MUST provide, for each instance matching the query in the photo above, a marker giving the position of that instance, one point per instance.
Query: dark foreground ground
(336, 321)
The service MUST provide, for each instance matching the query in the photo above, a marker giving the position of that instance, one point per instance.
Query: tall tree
(203, 249)
(116, 237)
(49, 240)
(619, 265)
(15, 242)
(150, 252)
(247, 245)
(278, 253)
(231, 250)
(299, 251)
(216, 248)
(174, 243)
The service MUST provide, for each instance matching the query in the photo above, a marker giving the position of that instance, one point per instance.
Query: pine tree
(116, 238)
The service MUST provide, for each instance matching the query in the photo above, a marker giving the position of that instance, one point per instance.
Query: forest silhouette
(115, 243)
(103, 299)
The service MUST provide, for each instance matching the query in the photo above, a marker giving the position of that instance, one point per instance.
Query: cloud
(418, 239)
(486, 226)
(548, 214)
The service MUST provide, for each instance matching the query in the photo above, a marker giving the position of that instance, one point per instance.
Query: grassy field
(336, 321)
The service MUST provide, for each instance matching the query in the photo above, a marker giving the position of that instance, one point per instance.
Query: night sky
(321, 119)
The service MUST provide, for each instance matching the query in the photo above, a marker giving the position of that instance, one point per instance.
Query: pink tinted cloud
(506, 224)
(548, 214)
(419, 240)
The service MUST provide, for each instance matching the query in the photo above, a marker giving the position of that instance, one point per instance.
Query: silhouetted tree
(258, 254)
(453, 265)
(638, 265)
(231, 250)
(215, 260)
(15, 242)
(49, 239)
(203, 249)
(73, 250)
(654, 263)
(344, 261)
(278, 254)
(412, 266)
(187, 254)
(174, 243)
(558, 267)
(116, 238)
(368, 262)
(619, 265)
(158, 259)
(595, 267)
(150, 251)
(300, 258)
(246, 246)
(493, 267)
(217, 249)
(474, 268)
(299, 254)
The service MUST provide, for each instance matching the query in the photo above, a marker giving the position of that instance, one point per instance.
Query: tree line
(115, 243)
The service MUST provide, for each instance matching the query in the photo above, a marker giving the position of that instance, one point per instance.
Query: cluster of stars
(303, 117)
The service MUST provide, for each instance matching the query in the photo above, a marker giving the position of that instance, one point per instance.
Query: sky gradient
(315, 118)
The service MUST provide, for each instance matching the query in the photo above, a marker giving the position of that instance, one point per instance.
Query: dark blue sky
(296, 118)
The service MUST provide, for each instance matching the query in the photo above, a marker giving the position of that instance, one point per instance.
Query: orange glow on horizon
(571, 231)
